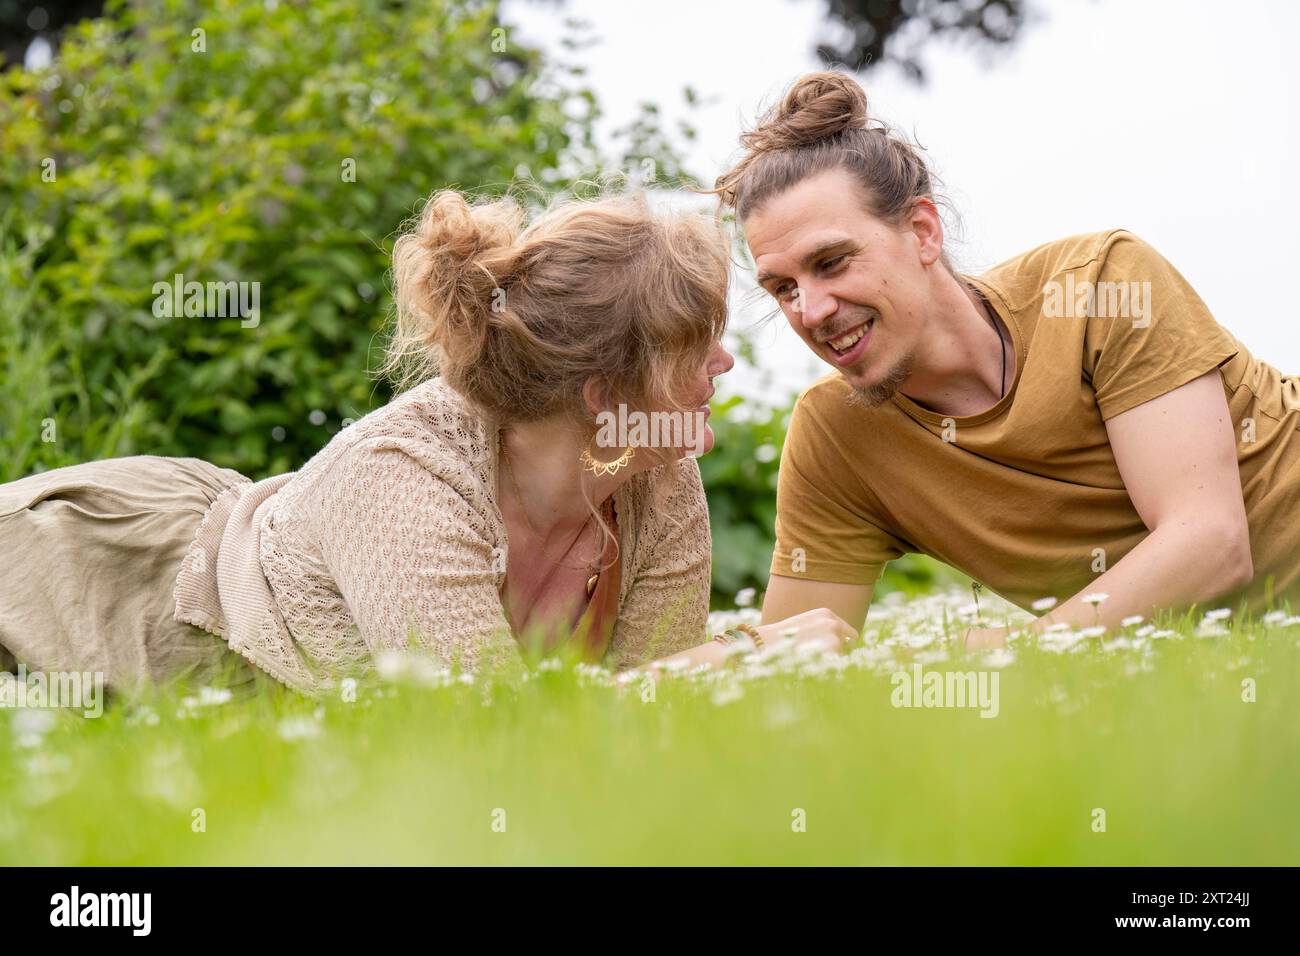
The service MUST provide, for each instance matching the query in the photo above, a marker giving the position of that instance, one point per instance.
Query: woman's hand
(819, 624)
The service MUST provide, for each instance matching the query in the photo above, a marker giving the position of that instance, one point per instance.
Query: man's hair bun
(819, 106)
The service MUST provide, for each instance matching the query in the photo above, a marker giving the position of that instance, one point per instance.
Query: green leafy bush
(243, 142)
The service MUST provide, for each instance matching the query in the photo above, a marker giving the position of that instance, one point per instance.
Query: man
(1074, 423)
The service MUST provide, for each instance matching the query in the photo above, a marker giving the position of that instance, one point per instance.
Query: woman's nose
(723, 361)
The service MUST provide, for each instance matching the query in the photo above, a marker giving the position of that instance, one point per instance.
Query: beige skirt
(89, 555)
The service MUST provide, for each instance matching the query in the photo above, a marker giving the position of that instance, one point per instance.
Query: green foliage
(740, 477)
(231, 164)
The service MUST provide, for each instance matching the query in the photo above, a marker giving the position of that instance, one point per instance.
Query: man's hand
(787, 597)
(984, 638)
(820, 624)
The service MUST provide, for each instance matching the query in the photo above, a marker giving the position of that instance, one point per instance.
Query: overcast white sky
(1172, 119)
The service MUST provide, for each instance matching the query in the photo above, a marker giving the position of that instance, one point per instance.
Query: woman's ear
(597, 395)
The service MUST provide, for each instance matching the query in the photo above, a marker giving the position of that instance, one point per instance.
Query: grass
(1150, 727)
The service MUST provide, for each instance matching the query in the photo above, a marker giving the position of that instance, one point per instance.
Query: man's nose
(813, 306)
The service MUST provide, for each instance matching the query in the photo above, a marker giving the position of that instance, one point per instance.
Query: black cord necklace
(1002, 347)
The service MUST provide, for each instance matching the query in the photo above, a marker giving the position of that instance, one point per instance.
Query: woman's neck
(557, 492)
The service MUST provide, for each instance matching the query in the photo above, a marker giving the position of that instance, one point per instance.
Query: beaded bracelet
(738, 632)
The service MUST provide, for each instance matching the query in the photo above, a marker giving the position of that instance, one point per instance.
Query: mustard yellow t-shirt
(1026, 497)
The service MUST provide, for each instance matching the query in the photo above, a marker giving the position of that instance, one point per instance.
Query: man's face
(853, 287)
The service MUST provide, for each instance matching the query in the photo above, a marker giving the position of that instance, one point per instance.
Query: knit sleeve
(667, 607)
(413, 559)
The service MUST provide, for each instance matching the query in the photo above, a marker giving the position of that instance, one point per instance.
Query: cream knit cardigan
(393, 528)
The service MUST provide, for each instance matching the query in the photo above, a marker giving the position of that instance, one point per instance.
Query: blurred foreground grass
(1150, 727)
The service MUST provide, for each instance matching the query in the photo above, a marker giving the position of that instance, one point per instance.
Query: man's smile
(849, 345)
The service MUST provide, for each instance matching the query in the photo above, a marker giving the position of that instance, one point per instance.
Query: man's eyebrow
(816, 252)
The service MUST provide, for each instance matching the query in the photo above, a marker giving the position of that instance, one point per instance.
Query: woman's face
(718, 362)
(662, 435)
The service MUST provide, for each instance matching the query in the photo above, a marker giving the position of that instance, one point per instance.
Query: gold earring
(600, 468)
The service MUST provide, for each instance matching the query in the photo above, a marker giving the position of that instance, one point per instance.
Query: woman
(475, 515)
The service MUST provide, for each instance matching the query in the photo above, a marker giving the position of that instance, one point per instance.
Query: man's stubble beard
(877, 393)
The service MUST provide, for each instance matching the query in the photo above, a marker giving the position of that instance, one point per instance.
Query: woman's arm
(1177, 455)
(667, 604)
(409, 554)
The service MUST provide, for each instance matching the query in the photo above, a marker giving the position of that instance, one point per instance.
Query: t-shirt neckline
(999, 305)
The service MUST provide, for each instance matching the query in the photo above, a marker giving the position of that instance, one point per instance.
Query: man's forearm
(1173, 567)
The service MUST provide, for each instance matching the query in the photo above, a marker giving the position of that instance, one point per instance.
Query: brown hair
(517, 318)
(822, 124)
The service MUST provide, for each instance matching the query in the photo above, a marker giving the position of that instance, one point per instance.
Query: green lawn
(790, 760)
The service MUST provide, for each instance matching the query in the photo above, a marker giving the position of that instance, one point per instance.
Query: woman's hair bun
(450, 270)
(818, 106)
(457, 253)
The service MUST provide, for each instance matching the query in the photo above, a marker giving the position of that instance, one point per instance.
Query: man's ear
(597, 394)
(927, 226)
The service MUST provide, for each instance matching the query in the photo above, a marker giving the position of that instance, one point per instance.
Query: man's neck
(959, 367)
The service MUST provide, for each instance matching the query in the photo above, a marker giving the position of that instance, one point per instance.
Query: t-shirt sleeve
(1148, 331)
(826, 527)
